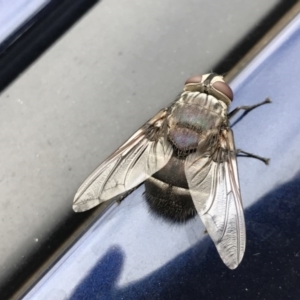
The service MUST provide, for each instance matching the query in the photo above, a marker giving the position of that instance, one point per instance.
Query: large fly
(186, 156)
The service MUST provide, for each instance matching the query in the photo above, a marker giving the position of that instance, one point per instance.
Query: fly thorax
(192, 118)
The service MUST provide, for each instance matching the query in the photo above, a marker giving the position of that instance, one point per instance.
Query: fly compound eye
(194, 79)
(223, 88)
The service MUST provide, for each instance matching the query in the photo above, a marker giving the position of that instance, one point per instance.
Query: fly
(186, 156)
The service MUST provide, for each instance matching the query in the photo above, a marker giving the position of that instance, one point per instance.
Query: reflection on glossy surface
(271, 266)
(134, 256)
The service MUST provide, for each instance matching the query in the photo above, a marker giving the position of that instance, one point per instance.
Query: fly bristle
(183, 153)
(171, 209)
(190, 126)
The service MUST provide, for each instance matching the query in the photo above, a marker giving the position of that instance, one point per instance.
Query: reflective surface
(130, 254)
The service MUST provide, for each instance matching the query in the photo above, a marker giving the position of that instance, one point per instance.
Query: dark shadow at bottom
(269, 270)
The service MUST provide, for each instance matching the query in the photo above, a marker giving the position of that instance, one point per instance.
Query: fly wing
(214, 187)
(146, 152)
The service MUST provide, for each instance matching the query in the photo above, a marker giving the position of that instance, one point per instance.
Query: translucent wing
(214, 187)
(146, 152)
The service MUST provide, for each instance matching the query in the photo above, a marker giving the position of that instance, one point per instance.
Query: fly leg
(247, 154)
(247, 108)
(124, 195)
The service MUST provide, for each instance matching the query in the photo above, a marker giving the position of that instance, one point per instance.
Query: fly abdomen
(167, 193)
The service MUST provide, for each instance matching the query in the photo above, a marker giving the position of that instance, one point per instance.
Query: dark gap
(253, 36)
